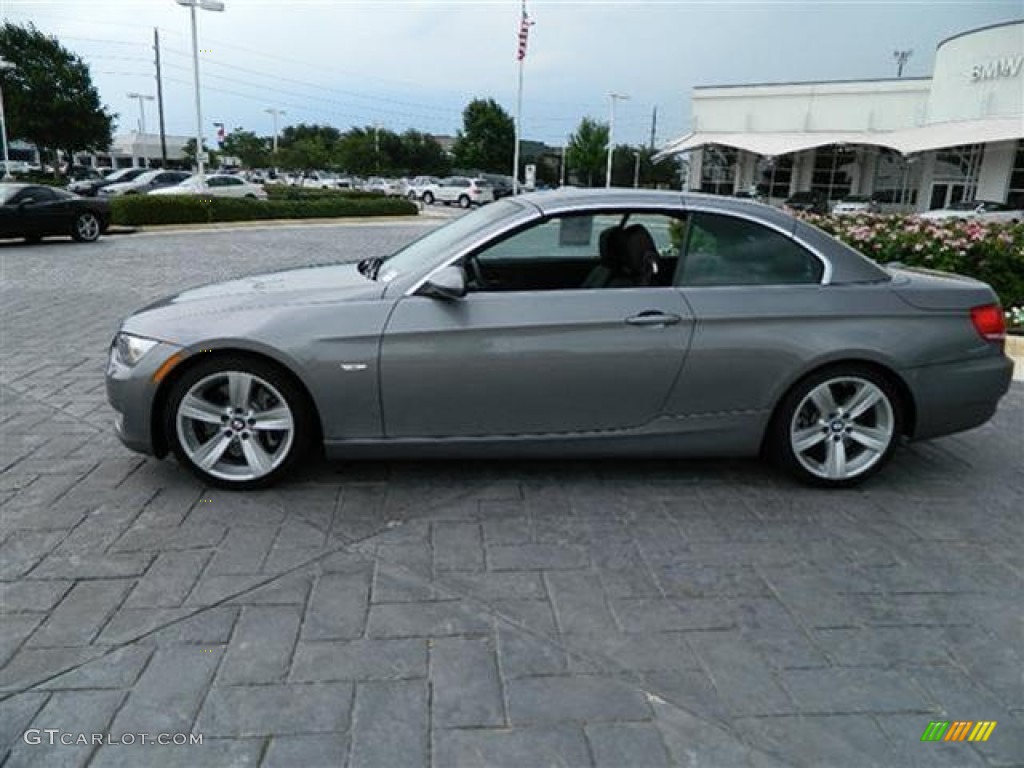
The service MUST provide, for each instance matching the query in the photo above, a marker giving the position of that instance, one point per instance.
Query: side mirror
(447, 284)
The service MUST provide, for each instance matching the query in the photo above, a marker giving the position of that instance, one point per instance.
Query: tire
(212, 422)
(836, 427)
(428, 198)
(33, 239)
(464, 201)
(86, 227)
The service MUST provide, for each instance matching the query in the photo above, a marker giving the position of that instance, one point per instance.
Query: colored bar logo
(958, 730)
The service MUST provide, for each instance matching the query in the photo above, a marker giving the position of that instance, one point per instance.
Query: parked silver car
(145, 183)
(577, 322)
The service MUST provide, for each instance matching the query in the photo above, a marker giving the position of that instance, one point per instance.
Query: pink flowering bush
(988, 251)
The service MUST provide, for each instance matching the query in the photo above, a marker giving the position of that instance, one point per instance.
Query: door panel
(531, 362)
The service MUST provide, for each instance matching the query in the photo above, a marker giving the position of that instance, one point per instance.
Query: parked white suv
(464, 191)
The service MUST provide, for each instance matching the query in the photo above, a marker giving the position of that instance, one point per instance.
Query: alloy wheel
(87, 227)
(235, 426)
(842, 428)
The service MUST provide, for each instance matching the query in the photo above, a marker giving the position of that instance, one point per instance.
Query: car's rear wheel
(464, 201)
(837, 427)
(428, 198)
(86, 228)
(238, 422)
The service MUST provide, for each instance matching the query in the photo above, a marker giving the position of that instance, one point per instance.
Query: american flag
(524, 33)
(220, 132)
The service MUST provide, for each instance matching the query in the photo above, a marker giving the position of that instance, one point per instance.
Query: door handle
(653, 317)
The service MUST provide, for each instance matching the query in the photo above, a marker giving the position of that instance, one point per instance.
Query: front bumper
(954, 397)
(131, 393)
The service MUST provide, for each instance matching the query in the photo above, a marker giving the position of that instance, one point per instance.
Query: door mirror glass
(447, 284)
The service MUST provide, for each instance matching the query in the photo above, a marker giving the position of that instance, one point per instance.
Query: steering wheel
(476, 275)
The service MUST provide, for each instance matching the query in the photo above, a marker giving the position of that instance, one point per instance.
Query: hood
(307, 285)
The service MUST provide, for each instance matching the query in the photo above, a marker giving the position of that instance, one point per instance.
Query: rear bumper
(953, 397)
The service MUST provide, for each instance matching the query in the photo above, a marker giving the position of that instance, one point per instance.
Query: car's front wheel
(238, 422)
(428, 198)
(86, 228)
(837, 427)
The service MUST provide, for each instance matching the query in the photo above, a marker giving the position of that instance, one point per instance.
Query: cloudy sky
(416, 63)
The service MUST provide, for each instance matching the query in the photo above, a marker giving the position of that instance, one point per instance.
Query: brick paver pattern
(617, 613)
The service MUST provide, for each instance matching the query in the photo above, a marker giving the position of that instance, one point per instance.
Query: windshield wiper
(370, 267)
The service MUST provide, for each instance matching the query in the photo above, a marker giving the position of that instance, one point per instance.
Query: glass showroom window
(955, 177)
(776, 174)
(896, 178)
(833, 167)
(1015, 196)
(718, 170)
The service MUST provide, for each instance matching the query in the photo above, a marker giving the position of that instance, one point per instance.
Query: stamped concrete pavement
(474, 614)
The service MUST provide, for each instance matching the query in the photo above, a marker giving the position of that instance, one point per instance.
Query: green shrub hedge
(988, 251)
(283, 192)
(174, 209)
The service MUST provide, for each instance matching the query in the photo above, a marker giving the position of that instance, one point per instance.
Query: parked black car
(91, 187)
(811, 200)
(34, 212)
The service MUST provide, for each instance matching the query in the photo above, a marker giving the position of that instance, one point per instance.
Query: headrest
(640, 252)
(610, 247)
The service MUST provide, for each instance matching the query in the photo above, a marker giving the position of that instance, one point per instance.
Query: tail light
(989, 322)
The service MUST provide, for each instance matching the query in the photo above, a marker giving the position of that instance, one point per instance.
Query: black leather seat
(639, 266)
(612, 252)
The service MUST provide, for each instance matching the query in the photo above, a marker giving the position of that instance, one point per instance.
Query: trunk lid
(931, 289)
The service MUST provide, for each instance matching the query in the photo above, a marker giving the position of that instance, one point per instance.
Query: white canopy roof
(906, 141)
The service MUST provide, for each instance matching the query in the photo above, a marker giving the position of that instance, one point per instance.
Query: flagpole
(524, 34)
(519, 117)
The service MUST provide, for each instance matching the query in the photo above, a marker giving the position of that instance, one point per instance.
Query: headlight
(129, 349)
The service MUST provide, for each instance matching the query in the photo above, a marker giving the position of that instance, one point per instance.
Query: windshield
(443, 240)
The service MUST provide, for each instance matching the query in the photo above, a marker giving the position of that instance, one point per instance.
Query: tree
(587, 152)
(422, 155)
(486, 139)
(305, 147)
(189, 151)
(49, 96)
(251, 149)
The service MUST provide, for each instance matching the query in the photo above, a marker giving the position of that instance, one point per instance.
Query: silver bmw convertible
(572, 323)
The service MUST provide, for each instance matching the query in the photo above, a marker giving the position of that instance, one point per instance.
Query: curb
(1015, 351)
(162, 229)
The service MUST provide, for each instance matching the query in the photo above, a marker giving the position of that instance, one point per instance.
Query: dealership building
(910, 143)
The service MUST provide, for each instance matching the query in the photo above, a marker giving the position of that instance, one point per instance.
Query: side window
(216, 181)
(35, 194)
(725, 250)
(602, 250)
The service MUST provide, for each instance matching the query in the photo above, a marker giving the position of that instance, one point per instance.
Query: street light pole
(4, 67)
(613, 97)
(636, 170)
(206, 5)
(901, 58)
(275, 113)
(142, 99)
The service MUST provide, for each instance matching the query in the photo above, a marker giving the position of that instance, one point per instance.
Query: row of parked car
(139, 181)
(464, 191)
